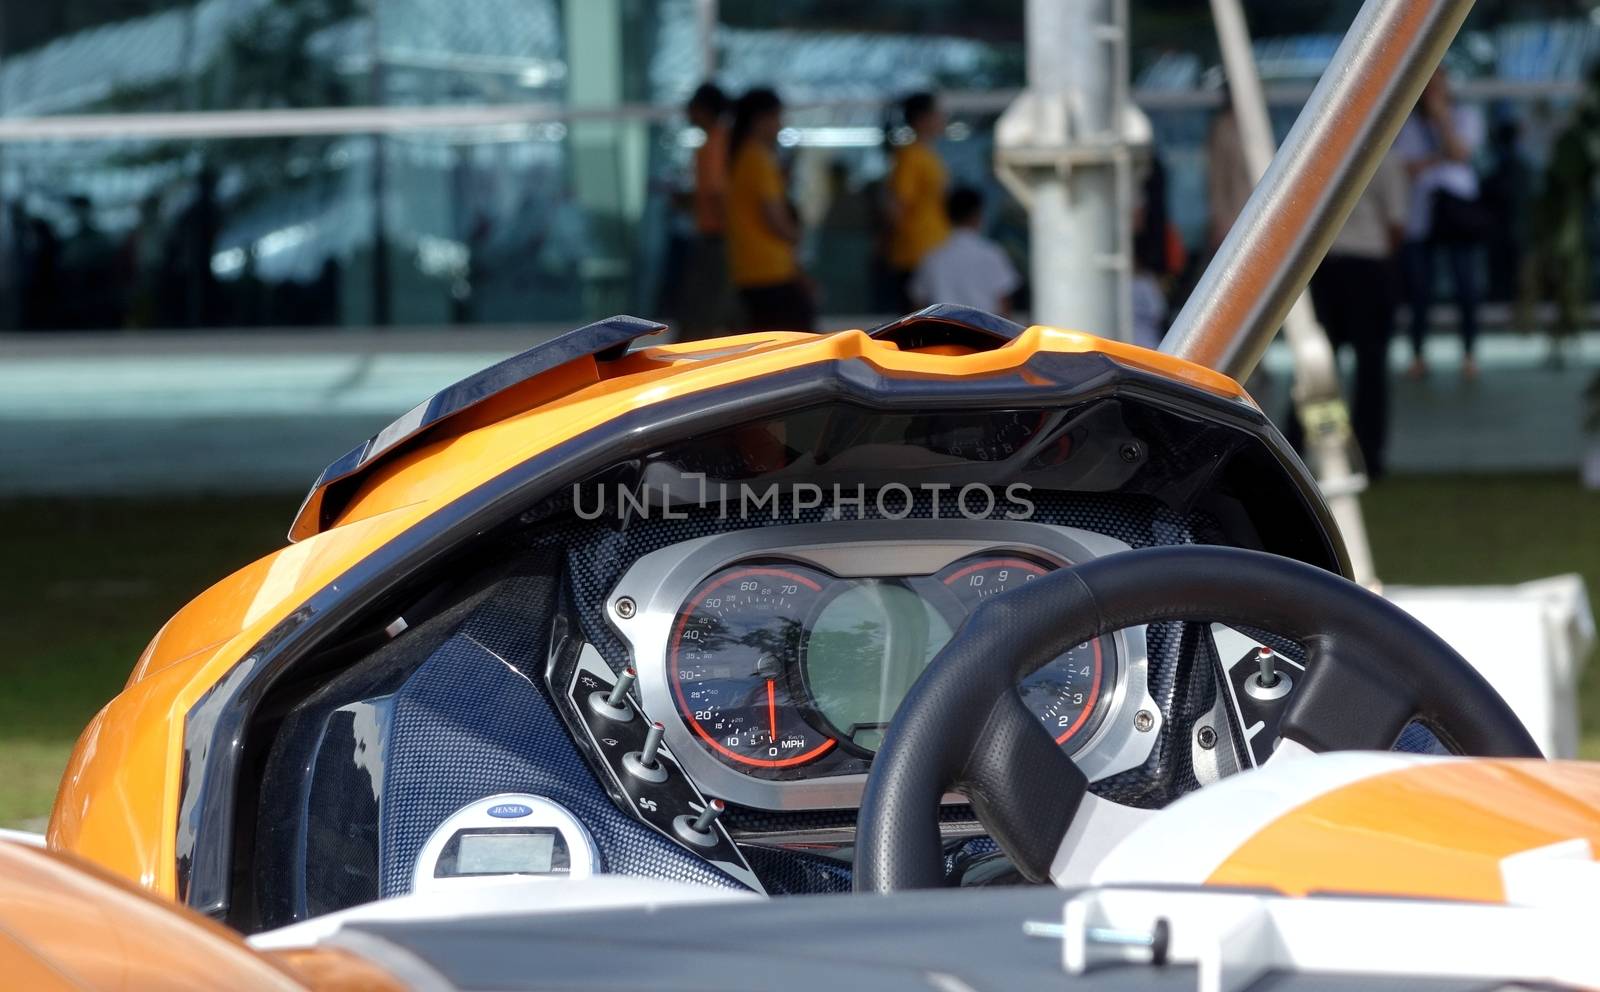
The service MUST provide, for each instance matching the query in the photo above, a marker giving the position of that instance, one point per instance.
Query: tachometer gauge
(732, 646)
(1065, 694)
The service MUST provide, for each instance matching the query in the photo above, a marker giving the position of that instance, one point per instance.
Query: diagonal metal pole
(1317, 399)
(1257, 281)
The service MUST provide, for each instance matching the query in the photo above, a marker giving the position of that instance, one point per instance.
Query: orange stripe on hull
(1436, 830)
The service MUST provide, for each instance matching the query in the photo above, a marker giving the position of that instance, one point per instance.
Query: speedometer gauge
(1065, 694)
(734, 644)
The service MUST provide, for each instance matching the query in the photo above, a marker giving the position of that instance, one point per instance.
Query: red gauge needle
(772, 710)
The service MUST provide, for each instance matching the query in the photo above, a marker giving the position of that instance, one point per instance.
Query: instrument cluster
(775, 658)
(774, 663)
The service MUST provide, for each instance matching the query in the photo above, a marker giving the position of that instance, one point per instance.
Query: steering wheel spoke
(1346, 701)
(1023, 787)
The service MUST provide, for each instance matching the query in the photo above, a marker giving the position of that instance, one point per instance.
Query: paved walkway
(1521, 414)
(265, 413)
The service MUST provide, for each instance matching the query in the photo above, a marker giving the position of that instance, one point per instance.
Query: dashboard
(774, 658)
(768, 650)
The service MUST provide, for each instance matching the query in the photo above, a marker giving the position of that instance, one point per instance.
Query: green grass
(84, 585)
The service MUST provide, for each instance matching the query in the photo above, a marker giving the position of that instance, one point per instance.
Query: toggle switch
(644, 763)
(614, 705)
(1267, 683)
(652, 745)
(697, 829)
(1267, 660)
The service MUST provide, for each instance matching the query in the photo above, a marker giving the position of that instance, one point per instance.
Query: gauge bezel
(659, 583)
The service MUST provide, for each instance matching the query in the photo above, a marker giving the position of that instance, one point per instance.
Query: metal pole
(1318, 401)
(1071, 169)
(705, 26)
(382, 305)
(1284, 231)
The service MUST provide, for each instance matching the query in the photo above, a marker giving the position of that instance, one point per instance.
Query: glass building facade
(259, 164)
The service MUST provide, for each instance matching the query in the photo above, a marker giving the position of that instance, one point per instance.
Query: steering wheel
(1370, 669)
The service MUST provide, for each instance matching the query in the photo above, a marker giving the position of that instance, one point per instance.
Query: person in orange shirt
(917, 184)
(703, 308)
(762, 229)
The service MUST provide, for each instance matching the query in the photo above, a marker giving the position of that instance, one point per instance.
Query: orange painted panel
(99, 932)
(1436, 830)
(117, 805)
(270, 587)
(25, 968)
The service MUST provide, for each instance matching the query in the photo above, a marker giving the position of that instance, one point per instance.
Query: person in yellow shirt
(762, 228)
(917, 182)
(704, 298)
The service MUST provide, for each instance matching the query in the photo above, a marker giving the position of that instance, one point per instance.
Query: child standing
(967, 269)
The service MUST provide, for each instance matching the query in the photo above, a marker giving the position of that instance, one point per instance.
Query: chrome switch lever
(709, 815)
(614, 705)
(697, 829)
(642, 764)
(1267, 660)
(619, 692)
(652, 745)
(1268, 683)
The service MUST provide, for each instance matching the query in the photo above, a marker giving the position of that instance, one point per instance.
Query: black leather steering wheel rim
(1371, 668)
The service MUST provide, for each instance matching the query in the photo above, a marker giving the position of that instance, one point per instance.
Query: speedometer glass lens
(864, 649)
(733, 648)
(774, 664)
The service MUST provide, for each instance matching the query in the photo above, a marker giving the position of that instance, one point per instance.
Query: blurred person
(88, 272)
(844, 250)
(36, 258)
(884, 292)
(1507, 192)
(762, 229)
(190, 291)
(967, 268)
(1355, 295)
(702, 303)
(1557, 267)
(917, 183)
(1159, 257)
(1444, 217)
(140, 261)
(1228, 182)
